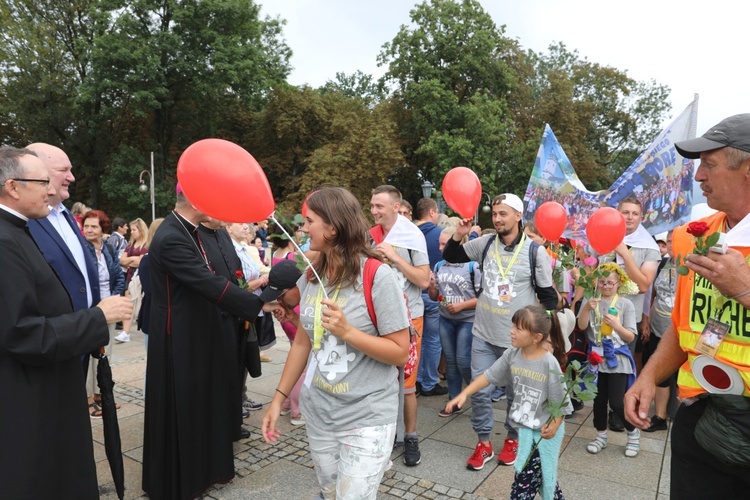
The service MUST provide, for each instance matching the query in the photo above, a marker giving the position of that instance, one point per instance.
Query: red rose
(440, 298)
(595, 359)
(239, 274)
(563, 241)
(697, 229)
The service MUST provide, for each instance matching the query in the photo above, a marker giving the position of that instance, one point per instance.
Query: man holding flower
(713, 297)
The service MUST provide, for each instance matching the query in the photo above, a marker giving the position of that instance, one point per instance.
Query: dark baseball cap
(733, 131)
(282, 276)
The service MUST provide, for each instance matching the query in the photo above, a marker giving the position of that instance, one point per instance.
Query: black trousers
(695, 473)
(611, 388)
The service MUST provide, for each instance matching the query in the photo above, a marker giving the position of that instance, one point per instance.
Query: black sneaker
(577, 404)
(657, 424)
(615, 423)
(418, 389)
(412, 455)
(438, 390)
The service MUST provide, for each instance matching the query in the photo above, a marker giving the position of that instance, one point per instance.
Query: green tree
(357, 85)
(181, 67)
(451, 71)
(44, 59)
(111, 80)
(602, 117)
(305, 138)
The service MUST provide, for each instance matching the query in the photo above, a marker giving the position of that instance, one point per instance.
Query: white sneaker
(123, 337)
(298, 420)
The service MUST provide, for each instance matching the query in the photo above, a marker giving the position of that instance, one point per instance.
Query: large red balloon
(551, 220)
(462, 191)
(605, 230)
(225, 182)
(304, 203)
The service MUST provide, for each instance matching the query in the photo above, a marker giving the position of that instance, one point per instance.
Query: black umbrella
(112, 444)
(250, 351)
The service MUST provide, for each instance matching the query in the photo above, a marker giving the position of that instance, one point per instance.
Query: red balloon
(462, 191)
(224, 181)
(304, 204)
(551, 220)
(605, 230)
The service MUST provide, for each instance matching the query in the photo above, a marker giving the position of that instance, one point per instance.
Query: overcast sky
(690, 49)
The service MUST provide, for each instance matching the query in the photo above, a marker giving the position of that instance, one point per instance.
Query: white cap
(513, 202)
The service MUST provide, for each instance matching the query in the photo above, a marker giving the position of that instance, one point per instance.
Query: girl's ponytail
(557, 340)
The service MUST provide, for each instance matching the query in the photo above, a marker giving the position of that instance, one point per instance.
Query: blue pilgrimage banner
(660, 178)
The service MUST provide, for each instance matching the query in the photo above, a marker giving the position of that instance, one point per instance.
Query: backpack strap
(368, 277)
(473, 280)
(532, 262)
(481, 264)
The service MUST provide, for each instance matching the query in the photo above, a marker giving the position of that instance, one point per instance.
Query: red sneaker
(508, 455)
(482, 454)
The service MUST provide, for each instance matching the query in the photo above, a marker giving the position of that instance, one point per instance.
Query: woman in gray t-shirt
(349, 397)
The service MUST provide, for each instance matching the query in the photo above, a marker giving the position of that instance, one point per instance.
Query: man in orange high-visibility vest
(718, 288)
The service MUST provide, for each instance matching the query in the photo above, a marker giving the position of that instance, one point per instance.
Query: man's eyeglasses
(607, 283)
(43, 182)
(282, 294)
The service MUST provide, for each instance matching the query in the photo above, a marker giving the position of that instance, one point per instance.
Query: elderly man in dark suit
(191, 418)
(59, 238)
(46, 449)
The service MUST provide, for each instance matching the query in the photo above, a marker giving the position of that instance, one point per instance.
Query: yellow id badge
(711, 337)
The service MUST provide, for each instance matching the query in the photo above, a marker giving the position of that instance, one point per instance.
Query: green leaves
(588, 281)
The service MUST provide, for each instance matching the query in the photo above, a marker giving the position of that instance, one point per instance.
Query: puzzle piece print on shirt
(333, 358)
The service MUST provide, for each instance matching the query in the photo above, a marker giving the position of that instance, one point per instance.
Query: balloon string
(309, 264)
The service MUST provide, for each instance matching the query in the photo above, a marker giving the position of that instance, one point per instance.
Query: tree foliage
(111, 80)
(118, 79)
(306, 138)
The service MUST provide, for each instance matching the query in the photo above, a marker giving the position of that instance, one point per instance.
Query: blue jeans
(483, 355)
(456, 338)
(429, 358)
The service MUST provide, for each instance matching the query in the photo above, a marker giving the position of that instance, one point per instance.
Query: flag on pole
(659, 178)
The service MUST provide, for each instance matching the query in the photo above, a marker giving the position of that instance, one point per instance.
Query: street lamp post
(427, 187)
(485, 209)
(143, 188)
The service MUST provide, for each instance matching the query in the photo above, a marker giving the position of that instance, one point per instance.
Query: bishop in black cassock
(192, 390)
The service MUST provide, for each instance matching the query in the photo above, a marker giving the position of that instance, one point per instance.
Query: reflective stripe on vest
(736, 355)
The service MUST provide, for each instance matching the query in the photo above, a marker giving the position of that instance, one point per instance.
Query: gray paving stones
(284, 470)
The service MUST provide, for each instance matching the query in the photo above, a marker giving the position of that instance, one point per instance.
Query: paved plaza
(284, 470)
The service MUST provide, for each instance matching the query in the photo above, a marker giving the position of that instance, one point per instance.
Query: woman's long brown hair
(339, 208)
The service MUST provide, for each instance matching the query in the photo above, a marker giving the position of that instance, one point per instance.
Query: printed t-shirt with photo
(349, 389)
(534, 382)
(502, 297)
